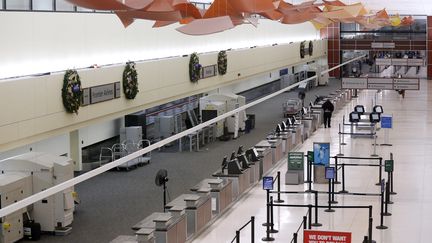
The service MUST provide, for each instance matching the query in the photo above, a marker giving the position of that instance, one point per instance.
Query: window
(80, 9)
(43, 5)
(18, 4)
(62, 5)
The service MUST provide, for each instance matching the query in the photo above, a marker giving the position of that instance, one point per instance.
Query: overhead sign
(295, 160)
(354, 83)
(381, 83)
(268, 182)
(208, 71)
(315, 236)
(321, 153)
(386, 121)
(383, 45)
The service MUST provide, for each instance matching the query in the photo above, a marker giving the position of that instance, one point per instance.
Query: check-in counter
(197, 207)
(162, 228)
(286, 142)
(265, 152)
(240, 182)
(276, 146)
(220, 190)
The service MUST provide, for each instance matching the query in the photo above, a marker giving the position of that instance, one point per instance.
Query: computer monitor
(374, 117)
(224, 163)
(378, 109)
(284, 125)
(290, 122)
(240, 150)
(359, 109)
(233, 155)
(304, 111)
(278, 128)
(311, 103)
(354, 117)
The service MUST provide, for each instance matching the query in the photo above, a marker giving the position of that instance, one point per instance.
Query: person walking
(328, 108)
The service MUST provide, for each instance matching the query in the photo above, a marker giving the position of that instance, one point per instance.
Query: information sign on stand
(386, 124)
(329, 173)
(315, 236)
(310, 156)
(295, 160)
(388, 165)
(268, 182)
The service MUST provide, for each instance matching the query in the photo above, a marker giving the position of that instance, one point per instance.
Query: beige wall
(32, 108)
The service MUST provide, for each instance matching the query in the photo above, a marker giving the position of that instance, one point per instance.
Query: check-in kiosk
(287, 137)
(161, 228)
(253, 156)
(198, 210)
(297, 128)
(247, 164)
(232, 170)
(220, 191)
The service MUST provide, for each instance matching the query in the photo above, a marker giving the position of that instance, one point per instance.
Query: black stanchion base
(393, 193)
(334, 202)
(316, 225)
(279, 201)
(329, 210)
(273, 231)
(386, 144)
(343, 143)
(337, 182)
(387, 214)
(374, 155)
(378, 184)
(389, 202)
(267, 239)
(382, 227)
(267, 224)
(340, 154)
(307, 181)
(343, 191)
(309, 190)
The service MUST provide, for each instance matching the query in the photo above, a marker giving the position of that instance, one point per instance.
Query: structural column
(332, 34)
(429, 47)
(75, 149)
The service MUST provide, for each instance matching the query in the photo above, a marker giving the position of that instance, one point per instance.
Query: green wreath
(310, 50)
(222, 62)
(302, 49)
(194, 68)
(71, 91)
(130, 81)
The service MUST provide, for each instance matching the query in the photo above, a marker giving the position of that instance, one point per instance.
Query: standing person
(328, 108)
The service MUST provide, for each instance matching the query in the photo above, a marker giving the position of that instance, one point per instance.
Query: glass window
(62, 5)
(1, 4)
(80, 9)
(18, 4)
(43, 5)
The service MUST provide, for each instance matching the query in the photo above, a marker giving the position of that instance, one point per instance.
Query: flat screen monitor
(240, 150)
(374, 117)
(290, 121)
(378, 109)
(359, 109)
(354, 117)
(278, 128)
(304, 111)
(310, 103)
(284, 125)
(233, 155)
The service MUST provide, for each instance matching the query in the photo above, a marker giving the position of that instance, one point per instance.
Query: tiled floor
(412, 209)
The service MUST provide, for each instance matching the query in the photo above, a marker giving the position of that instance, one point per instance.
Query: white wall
(38, 42)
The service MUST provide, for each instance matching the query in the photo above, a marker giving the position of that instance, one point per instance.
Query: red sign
(314, 236)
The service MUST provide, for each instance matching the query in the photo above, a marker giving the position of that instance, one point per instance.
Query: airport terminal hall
(215, 121)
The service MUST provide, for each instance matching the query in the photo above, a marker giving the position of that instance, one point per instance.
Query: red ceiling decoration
(226, 14)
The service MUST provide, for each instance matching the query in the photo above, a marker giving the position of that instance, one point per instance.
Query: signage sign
(329, 173)
(295, 160)
(388, 165)
(383, 61)
(383, 45)
(208, 71)
(100, 93)
(283, 72)
(354, 83)
(310, 156)
(380, 86)
(386, 121)
(321, 153)
(315, 236)
(268, 182)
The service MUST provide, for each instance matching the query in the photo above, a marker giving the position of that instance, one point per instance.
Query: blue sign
(329, 173)
(283, 71)
(321, 153)
(268, 182)
(386, 121)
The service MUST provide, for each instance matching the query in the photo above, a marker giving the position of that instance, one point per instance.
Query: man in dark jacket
(328, 108)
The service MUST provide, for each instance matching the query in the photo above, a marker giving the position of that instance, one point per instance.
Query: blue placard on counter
(268, 182)
(386, 121)
(329, 173)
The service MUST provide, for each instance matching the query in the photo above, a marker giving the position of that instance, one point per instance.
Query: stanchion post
(343, 135)
(304, 222)
(379, 172)
(336, 171)
(329, 209)
(279, 200)
(267, 224)
(252, 229)
(237, 236)
(340, 145)
(295, 237)
(375, 141)
(391, 177)
(310, 216)
(343, 180)
(387, 199)
(388, 188)
(382, 226)
(268, 209)
(316, 224)
(272, 230)
(333, 201)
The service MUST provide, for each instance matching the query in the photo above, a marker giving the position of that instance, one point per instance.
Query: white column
(75, 149)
